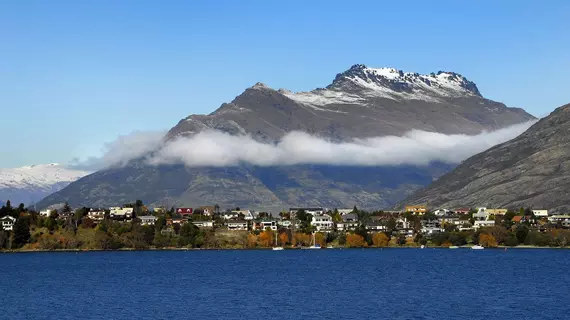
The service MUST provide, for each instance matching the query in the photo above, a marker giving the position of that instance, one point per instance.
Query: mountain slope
(532, 170)
(33, 183)
(361, 102)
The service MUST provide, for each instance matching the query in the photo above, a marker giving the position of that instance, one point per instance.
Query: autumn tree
(487, 240)
(354, 240)
(251, 240)
(283, 238)
(380, 239)
(265, 239)
(302, 239)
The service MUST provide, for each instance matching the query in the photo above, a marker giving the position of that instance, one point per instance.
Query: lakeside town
(136, 226)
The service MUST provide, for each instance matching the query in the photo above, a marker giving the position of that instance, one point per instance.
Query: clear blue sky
(75, 74)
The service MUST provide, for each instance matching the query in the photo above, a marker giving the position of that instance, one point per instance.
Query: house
(497, 212)
(229, 215)
(264, 224)
(416, 209)
(518, 219)
(208, 210)
(159, 210)
(375, 226)
(285, 223)
(344, 211)
(431, 227)
(322, 222)
(46, 213)
(559, 218)
(203, 224)
(184, 211)
(237, 225)
(483, 223)
(96, 214)
(441, 212)
(176, 220)
(481, 214)
(349, 222)
(247, 214)
(540, 213)
(462, 210)
(7, 223)
(310, 210)
(148, 220)
(120, 213)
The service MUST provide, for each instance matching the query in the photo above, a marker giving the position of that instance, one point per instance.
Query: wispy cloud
(214, 148)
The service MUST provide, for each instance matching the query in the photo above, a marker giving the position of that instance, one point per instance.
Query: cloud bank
(218, 149)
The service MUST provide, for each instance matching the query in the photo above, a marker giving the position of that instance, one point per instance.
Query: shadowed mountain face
(532, 170)
(361, 102)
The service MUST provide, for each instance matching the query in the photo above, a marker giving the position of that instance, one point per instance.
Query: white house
(266, 223)
(96, 214)
(148, 220)
(204, 224)
(228, 215)
(121, 213)
(540, 213)
(45, 213)
(441, 212)
(345, 211)
(247, 214)
(7, 223)
(322, 222)
(238, 225)
(483, 223)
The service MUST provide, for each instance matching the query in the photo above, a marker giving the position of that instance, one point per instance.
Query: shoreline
(255, 249)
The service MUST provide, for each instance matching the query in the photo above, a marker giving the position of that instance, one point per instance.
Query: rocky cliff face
(532, 170)
(361, 102)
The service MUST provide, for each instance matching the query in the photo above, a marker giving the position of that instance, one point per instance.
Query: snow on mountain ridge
(42, 176)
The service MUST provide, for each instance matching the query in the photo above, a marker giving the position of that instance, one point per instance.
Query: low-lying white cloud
(213, 148)
(218, 149)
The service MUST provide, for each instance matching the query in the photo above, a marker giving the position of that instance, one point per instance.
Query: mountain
(32, 183)
(532, 170)
(360, 103)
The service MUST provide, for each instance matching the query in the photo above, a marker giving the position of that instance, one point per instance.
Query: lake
(290, 284)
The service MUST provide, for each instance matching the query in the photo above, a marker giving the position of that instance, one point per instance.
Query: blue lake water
(301, 284)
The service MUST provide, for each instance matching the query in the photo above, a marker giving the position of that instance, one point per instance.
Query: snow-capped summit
(31, 183)
(441, 84)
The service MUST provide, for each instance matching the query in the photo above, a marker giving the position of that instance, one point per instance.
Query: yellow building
(416, 209)
(497, 212)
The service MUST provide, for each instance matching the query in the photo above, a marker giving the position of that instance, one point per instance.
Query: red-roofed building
(184, 211)
(518, 219)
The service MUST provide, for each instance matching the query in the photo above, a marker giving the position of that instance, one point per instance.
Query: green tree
(21, 232)
(521, 233)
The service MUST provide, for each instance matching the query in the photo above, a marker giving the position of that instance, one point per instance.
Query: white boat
(422, 247)
(315, 245)
(276, 248)
(453, 247)
(477, 247)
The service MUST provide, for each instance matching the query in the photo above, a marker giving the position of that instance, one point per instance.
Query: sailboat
(315, 245)
(276, 247)
(477, 247)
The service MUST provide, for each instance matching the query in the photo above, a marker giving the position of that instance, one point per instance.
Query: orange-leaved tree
(302, 239)
(283, 238)
(354, 240)
(265, 238)
(380, 239)
(251, 240)
(487, 240)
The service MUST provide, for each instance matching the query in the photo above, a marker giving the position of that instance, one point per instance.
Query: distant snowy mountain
(32, 183)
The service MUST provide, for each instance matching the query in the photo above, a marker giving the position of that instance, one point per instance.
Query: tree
(487, 240)
(21, 232)
(66, 209)
(265, 238)
(521, 233)
(251, 240)
(355, 241)
(283, 238)
(380, 239)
